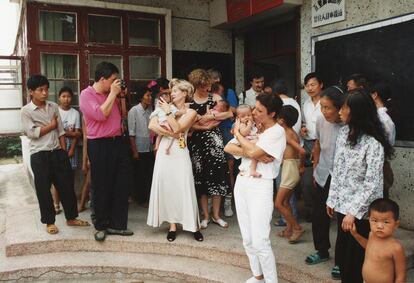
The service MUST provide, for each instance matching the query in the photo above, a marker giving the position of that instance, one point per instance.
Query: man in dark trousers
(49, 160)
(103, 106)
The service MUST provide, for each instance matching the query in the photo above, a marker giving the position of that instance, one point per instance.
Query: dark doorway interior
(186, 61)
(272, 50)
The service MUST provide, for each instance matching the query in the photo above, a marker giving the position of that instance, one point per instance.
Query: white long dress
(173, 198)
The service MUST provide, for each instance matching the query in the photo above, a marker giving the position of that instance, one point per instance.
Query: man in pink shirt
(102, 105)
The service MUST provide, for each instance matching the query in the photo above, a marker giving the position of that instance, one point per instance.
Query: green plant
(10, 146)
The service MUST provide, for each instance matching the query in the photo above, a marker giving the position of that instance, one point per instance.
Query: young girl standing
(71, 124)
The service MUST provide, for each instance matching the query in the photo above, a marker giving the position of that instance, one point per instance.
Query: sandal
(315, 259)
(52, 229)
(296, 234)
(171, 236)
(220, 222)
(285, 234)
(198, 236)
(336, 273)
(77, 222)
(204, 223)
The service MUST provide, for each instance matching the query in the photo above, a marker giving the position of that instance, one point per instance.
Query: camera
(123, 84)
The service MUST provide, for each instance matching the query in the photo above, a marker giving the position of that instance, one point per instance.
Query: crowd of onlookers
(191, 148)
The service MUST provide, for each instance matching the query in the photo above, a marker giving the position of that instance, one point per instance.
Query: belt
(114, 138)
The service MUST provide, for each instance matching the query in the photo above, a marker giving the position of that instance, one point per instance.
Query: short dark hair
(105, 70)
(215, 87)
(270, 102)
(290, 114)
(385, 205)
(141, 91)
(382, 89)
(360, 80)
(312, 75)
(65, 89)
(280, 88)
(255, 74)
(162, 82)
(36, 81)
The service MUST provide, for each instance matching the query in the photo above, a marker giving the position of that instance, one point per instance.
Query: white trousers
(254, 205)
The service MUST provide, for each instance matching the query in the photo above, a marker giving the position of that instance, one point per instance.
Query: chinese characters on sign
(327, 12)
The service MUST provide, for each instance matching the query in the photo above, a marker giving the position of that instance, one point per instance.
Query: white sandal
(204, 223)
(220, 222)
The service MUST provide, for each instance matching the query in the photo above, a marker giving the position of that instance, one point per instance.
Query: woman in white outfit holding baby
(254, 196)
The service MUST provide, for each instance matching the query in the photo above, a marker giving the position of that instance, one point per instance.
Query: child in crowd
(49, 160)
(162, 118)
(71, 124)
(384, 255)
(292, 167)
(248, 130)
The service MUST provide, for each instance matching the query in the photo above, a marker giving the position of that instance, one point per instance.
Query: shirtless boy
(384, 255)
(292, 167)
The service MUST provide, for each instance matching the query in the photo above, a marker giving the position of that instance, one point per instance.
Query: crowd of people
(176, 152)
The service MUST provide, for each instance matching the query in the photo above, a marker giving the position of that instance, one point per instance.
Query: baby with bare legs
(248, 130)
(162, 118)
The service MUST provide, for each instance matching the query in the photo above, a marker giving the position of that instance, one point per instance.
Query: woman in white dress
(173, 198)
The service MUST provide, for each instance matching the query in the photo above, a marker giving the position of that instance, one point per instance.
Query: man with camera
(103, 106)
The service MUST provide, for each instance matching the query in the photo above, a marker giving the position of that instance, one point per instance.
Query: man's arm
(399, 264)
(50, 127)
(316, 152)
(135, 153)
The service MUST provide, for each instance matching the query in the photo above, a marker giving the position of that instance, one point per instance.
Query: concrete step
(25, 236)
(129, 267)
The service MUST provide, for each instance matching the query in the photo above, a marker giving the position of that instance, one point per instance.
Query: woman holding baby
(173, 198)
(206, 148)
(254, 196)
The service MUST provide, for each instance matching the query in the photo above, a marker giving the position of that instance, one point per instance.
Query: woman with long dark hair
(357, 178)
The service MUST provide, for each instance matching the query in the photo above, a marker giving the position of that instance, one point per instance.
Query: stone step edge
(237, 259)
(84, 272)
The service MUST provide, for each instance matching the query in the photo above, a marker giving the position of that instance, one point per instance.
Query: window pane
(54, 26)
(144, 68)
(104, 29)
(59, 66)
(96, 59)
(56, 85)
(144, 32)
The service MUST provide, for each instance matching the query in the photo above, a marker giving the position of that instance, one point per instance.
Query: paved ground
(26, 236)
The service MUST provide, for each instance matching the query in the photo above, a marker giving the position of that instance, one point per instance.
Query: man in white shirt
(311, 110)
(257, 84)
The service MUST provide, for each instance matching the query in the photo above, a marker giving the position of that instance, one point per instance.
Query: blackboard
(385, 53)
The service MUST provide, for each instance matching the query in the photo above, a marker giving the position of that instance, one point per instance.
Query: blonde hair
(199, 78)
(182, 85)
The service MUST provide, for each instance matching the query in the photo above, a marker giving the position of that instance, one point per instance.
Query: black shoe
(125, 232)
(171, 236)
(198, 236)
(100, 235)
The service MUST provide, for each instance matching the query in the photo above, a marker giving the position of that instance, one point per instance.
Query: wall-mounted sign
(327, 12)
